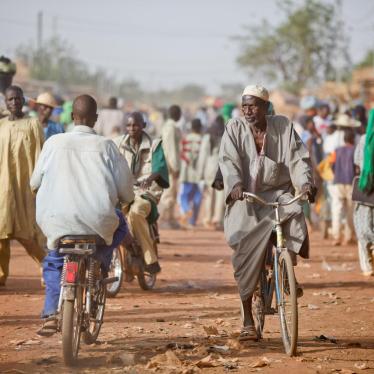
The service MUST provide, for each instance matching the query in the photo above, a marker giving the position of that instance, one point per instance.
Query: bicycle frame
(279, 235)
(278, 249)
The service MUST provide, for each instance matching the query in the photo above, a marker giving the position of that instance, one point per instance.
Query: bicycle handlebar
(250, 197)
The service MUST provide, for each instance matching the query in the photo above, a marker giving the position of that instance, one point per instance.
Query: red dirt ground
(195, 289)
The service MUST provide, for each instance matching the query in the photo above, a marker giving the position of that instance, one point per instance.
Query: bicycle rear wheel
(116, 270)
(71, 326)
(287, 303)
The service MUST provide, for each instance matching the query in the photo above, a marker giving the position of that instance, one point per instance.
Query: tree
(368, 60)
(307, 47)
(55, 61)
(231, 91)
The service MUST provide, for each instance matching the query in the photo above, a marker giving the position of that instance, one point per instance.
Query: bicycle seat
(71, 240)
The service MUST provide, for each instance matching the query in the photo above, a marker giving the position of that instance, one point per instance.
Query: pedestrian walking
(341, 189)
(21, 140)
(111, 121)
(45, 105)
(364, 211)
(214, 200)
(190, 194)
(7, 71)
(170, 136)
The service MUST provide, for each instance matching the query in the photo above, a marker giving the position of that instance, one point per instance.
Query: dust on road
(189, 323)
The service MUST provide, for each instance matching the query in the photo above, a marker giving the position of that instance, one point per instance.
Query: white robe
(284, 167)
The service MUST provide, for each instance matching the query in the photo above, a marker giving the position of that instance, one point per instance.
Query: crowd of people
(168, 164)
(337, 140)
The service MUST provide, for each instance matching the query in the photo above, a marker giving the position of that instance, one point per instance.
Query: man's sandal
(248, 333)
(49, 327)
(299, 290)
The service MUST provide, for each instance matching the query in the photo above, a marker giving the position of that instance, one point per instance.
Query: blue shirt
(53, 128)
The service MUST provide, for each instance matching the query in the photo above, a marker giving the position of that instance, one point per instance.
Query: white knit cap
(257, 91)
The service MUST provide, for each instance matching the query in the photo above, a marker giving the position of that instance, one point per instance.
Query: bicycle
(278, 277)
(83, 294)
(134, 259)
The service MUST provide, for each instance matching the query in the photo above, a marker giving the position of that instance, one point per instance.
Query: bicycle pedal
(109, 280)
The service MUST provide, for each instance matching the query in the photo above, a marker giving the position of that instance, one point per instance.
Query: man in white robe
(261, 154)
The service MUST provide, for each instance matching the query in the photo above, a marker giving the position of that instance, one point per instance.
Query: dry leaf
(361, 365)
(191, 370)
(207, 362)
(347, 371)
(169, 358)
(263, 361)
(313, 307)
(235, 334)
(234, 344)
(210, 330)
(305, 359)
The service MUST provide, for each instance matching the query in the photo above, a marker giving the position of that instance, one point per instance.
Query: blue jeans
(54, 261)
(190, 197)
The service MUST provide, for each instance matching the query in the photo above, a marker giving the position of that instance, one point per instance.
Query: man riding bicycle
(148, 165)
(261, 154)
(80, 177)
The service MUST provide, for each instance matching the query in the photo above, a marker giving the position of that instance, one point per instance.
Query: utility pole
(39, 40)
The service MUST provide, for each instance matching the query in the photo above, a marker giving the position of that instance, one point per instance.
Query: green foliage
(305, 48)
(367, 61)
(55, 61)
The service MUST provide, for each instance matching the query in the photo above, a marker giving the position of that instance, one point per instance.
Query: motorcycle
(128, 262)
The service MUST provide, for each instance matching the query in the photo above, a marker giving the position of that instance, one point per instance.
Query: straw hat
(46, 99)
(256, 91)
(344, 120)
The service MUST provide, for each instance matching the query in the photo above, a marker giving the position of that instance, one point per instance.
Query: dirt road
(196, 289)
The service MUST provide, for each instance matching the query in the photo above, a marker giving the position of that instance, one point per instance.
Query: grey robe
(284, 167)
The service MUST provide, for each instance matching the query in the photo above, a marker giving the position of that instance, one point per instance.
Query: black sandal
(248, 333)
(49, 326)
(299, 290)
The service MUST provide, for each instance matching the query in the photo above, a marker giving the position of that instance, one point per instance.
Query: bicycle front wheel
(287, 303)
(146, 280)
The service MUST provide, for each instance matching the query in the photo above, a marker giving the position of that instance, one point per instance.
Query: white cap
(257, 91)
(344, 120)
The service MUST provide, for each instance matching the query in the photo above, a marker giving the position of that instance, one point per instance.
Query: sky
(161, 43)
